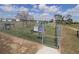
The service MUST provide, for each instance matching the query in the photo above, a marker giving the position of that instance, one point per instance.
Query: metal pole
(42, 39)
(42, 33)
(58, 31)
(58, 35)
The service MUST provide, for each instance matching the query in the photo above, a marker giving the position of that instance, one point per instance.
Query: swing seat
(35, 29)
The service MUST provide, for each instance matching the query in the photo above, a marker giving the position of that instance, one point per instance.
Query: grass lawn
(25, 32)
(70, 42)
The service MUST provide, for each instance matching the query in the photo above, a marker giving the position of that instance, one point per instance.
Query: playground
(28, 34)
(33, 29)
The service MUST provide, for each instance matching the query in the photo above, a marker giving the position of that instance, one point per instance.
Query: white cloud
(73, 11)
(6, 8)
(23, 9)
(9, 8)
(43, 7)
(59, 12)
(43, 17)
(35, 9)
(31, 13)
(35, 6)
(77, 7)
(53, 9)
(12, 8)
(49, 9)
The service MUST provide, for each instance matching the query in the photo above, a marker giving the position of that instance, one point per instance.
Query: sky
(40, 11)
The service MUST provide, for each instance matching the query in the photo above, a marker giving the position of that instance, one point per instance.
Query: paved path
(47, 50)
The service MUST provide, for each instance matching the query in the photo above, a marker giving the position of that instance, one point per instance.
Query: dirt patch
(70, 42)
(13, 45)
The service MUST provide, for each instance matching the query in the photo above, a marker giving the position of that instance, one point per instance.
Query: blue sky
(45, 10)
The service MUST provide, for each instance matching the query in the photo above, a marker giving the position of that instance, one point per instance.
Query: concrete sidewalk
(47, 50)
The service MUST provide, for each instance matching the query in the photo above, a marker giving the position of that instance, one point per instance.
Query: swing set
(39, 28)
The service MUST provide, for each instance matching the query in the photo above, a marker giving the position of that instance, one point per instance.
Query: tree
(69, 19)
(23, 16)
(30, 20)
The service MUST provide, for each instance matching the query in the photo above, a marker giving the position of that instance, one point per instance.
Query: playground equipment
(39, 28)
